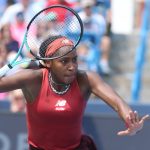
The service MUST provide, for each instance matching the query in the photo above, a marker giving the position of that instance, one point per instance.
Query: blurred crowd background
(99, 19)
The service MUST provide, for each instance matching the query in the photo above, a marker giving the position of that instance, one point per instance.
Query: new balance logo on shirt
(61, 105)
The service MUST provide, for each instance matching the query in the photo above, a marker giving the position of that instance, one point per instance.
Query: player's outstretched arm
(109, 96)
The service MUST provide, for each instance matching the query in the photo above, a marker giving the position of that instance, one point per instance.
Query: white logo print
(60, 105)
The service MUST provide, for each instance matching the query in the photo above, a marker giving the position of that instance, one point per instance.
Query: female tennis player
(56, 96)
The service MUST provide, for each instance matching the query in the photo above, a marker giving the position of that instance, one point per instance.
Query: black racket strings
(46, 25)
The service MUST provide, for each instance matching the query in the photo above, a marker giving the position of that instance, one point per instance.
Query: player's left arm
(109, 96)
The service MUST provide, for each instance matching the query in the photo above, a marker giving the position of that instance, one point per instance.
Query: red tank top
(55, 121)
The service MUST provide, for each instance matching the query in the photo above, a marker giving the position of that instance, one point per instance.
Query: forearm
(109, 96)
(119, 105)
(123, 109)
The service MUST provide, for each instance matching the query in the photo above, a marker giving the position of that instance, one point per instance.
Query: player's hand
(133, 124)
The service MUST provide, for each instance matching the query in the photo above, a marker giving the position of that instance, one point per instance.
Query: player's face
(64, 69)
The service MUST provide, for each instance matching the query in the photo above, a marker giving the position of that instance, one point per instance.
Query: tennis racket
(51, 21)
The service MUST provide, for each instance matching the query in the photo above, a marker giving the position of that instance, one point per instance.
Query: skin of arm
(108, 95)
(28, 80)
(102, 90)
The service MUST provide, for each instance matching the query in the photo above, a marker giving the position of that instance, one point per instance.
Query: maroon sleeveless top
(55, 121)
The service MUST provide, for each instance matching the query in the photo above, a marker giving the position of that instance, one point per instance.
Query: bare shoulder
(92, 78)
(88, 82)
(32, 84)
(87, 75)
(20, 80)
(27, 74)
(81, 76)
(31, 72)
(83, 83)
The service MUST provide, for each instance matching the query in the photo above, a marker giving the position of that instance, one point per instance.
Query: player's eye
(75, 59)
(64, 61)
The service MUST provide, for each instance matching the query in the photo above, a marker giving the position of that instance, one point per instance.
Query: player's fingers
(132, 117)
(145, 118)
(128, 122)
(123, 133)
(136, 116)
(126, 132)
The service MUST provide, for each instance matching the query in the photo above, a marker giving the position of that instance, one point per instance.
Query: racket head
(56, 20)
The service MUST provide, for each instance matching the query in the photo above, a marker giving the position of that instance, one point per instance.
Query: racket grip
(4, 70)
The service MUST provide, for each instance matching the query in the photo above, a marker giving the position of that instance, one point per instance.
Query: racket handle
(4, 70)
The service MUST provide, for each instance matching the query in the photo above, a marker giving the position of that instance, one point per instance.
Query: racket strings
(51, 22)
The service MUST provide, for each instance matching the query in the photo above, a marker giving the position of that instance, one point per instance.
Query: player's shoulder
(83, 75)
(87, 75)
(32, 73)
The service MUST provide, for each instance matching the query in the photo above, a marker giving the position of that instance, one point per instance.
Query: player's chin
(69, 79)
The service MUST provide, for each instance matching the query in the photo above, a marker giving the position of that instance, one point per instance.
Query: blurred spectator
(10, 2)
(92, 20)
(11, 46)
(104, 61)
(6, 37)
(17, 101)
(3, 54)
(18, 27)
(140, 4)
(26, 6)
(106, 39)
(3, 4)
(83, 54)
(61, 2)
(59, 11)
(3, 60)
(94, 29)
(49, 27)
